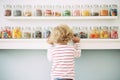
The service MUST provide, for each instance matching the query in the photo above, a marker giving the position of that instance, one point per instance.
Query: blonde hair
(61, 34)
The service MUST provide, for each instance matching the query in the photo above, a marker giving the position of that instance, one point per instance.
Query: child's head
(61, 34)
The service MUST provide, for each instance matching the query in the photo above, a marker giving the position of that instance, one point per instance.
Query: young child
(61, 54)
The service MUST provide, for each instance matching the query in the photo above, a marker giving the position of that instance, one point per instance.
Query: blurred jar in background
(46, 32)
(49, 10)
(6, 32)
(114, 32)
(76, 31)
(113, 10)
(38, 32)
(27, 10)
(94, 32)
(16, 32)
(104, 10)
(17, 10)
(38, 10)
(76, 10)
(95, 10)
(0, 32)
(104, 32)
(83, 32)
(57, 10)
(66, 10)
(8, 10)
(26, 32)
(86, 10)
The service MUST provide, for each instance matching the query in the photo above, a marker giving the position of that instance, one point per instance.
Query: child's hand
(49, 41)
(76, 39)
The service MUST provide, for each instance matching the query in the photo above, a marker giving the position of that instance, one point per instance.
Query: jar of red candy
(114, 32)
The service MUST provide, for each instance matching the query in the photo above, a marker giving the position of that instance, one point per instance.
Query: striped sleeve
(49, 52)
(78, 50)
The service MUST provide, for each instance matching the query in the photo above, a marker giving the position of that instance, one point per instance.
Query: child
(61, 54)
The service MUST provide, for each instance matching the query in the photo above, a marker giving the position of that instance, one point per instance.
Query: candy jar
(94, 32)
(27, 10)
(8, 10)
(104, 32)
(114, 32)
(17, 32)
(76, 31)
(83, 32)
(76, 10)
(113, 10)
(66, 10)
(57, 10)
(38, 10)
(0, 32)
(26, 32)
(17, 10)
(38, 32)
(86, 10)
(46, 32)
(6, 32)
(33, 32)
(49, 10)
(95, 10)
(104, 10)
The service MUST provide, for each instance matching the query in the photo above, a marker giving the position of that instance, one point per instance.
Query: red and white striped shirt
(62, 57)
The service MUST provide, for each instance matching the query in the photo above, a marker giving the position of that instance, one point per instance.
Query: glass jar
(57, 10)
(0, 32)
(6, 32)
(46, 32)
(17, 10)
(33, 32)
(16, 32)
(113, 10)
(95, 10)
(114, 32)
(49, 10)
(8, 10)
(38, 10)
(94, 32)
(26, 32)
(104, 10)
(76, 31)
(38, 32)
(76, 10)
(86, 10)
(66, 10)
(27, 10)
(104, 32)
(83, 32)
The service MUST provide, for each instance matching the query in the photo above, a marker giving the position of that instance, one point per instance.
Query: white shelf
(63, 17)
(41, 44)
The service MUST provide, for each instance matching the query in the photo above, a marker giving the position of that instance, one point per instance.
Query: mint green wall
(33, 65)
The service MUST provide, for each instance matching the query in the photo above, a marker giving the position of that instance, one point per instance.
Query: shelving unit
(41, 44)
(63, 17)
